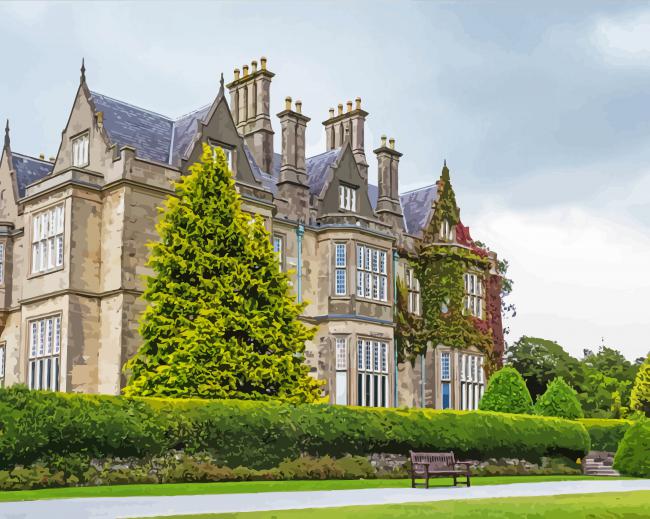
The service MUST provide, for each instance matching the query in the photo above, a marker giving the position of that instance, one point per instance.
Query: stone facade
(74, 231)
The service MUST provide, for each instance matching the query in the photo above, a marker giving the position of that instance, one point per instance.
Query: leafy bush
(507, 393)
(640, 399)
(633, 454)
(559, 400)
(605, 434)
(36, 425)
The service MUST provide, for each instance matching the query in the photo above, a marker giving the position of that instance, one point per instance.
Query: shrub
(507, 393)
(261, 435)
(605, 434)
(640, 398)
(633, 454)
(559, 400)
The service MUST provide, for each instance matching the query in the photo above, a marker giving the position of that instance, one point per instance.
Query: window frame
(282, 252)
(474, 300)
(228, 150)
(373, 373)
(413, 287)
(3, 263)
(371, 273)
(347, 198)
(47, 240)
(44, 350)
(85, 138)
(3, 362)
(340, 269)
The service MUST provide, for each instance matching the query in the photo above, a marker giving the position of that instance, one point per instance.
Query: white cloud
(625, 37)
(579, 275)
(29, 13)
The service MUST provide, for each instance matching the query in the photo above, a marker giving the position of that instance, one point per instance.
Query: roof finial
(83, 70)
(7, 140)
(221, 84)
(444, 163)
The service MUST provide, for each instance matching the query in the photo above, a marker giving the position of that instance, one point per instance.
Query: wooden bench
(427, 465)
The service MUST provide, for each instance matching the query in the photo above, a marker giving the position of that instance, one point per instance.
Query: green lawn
(628, 505)
(184, 489)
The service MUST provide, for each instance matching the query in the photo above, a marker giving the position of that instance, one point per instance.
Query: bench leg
(468, 483)
(455, 481)
(427, 482)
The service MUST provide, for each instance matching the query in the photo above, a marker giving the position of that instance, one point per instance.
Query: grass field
(628, 505)
(184, 489)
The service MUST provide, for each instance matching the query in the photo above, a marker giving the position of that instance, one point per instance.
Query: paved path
(121, 507)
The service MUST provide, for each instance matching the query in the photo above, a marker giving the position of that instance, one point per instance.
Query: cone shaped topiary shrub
(507, 393)
(560, 400)
(640, 398)
(633, 454)
(221, 321)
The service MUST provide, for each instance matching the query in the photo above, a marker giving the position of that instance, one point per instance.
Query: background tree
(559, 400)
(220, 321)
(640, 399)
(506, 393)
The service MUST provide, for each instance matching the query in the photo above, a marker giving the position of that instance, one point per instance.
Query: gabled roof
(185, 128)
(416, 206)
(317, 169)
(127, 125)
(29, 170)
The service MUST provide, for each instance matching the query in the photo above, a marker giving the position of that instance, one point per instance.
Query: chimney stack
(389, 209)
(250, 95)
(348, 126)
(292, 183)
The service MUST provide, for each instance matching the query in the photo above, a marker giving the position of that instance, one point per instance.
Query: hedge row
(605, 434)
(35, 425)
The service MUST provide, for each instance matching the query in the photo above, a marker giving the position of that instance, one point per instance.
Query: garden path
(123, 507)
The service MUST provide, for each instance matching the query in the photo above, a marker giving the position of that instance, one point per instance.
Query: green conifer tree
(507, 393)
(640, 399)
(220, 321)
(560, 400)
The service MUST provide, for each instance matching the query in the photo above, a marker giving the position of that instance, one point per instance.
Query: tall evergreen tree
(560, 400)
(220, 321)
(640, 399)
(507, 393)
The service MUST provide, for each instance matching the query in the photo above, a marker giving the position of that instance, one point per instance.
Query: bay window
(372, 373)
(44, 353)
(372, 273)
(47, 239)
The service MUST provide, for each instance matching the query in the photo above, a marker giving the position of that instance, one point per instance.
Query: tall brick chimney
(250, 101)
(348, 125)
(389, 209)
(292, 184)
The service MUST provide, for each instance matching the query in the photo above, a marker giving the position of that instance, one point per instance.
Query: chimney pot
(245, 67)
(383, 141)
(299, 106)
(42, 156)
(358, 101)
(331, 113)
(287, 103)
(263, 62)
(236, 74)
(254, 64)
(52, 159)
(340, 108)
(391, 142)
(100, 118)
(349, 103)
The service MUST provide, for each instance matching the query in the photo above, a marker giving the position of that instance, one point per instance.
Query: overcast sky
(542, 112)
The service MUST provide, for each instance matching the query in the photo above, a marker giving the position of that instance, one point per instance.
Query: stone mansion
(74, 231)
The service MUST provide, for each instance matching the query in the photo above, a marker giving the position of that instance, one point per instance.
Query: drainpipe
(395, 260)
(422, 378)
(300, 231)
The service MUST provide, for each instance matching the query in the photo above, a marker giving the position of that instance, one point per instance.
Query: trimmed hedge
(633, 455)
(35, 425)
(605, 434)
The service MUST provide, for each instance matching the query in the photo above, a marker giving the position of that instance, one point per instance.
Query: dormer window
(347, 198)
(446, 231)
(80, 151)
(228, 152)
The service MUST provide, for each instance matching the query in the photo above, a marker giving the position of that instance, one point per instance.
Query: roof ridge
(192, 112)
(23, 155)
(418, 189)
(325, 152)
(133, 106)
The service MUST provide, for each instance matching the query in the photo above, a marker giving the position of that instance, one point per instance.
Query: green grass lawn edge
(628, 505)
(243, 487)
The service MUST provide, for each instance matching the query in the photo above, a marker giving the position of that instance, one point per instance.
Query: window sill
(45, 272)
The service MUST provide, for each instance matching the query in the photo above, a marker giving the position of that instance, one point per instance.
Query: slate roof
(29, 170)
(148, 132)
(185, 129)
(416, 206)
(373, 195)
(317, 169)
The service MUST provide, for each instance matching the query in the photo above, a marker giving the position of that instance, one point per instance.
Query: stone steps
(591, 467)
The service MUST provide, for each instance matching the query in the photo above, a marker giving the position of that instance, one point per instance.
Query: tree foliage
(640, 399)
(507, 393)
(220, 321)
(633, 454)
(559, 400)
